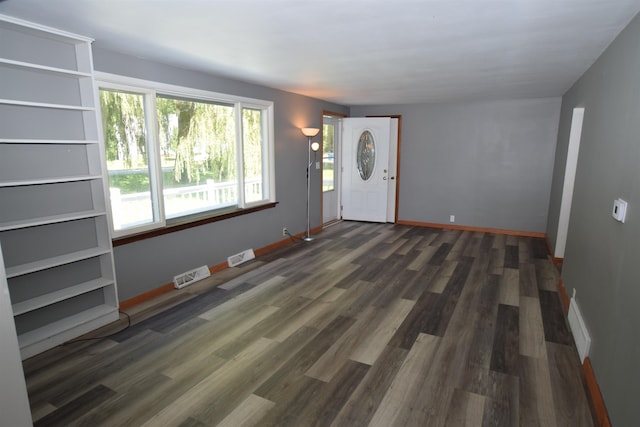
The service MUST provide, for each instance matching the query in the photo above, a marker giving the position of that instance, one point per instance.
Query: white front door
(365, 160)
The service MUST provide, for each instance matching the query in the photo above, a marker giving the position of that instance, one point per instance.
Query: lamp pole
(309, 133)
(307, 237)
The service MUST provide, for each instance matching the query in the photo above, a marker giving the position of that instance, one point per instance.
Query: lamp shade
(315, 146)
(310, 132)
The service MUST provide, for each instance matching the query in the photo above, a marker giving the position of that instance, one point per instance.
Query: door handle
(384, 178)
(393, 177)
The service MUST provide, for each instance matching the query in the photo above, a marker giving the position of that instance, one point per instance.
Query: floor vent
(185, 279)
(243, 256)
(579, 330)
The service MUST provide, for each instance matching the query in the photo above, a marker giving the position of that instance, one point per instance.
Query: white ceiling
(358, 52)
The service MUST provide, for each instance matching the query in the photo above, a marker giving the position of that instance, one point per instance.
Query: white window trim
(153, 89)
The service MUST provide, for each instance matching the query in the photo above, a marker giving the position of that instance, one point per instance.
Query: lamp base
(308, 238)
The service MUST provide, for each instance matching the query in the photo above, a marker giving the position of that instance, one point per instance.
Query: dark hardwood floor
(370, 324)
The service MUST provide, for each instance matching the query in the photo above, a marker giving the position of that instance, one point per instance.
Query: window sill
(183, 225)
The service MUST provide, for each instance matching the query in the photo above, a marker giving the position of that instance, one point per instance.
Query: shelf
(33, 342)
(45, 69)
(54, 223)
(61, 295)
(14, 225)
(49, 180)
(42, 31)
(49, 141)
(45, 105)
(43, 264)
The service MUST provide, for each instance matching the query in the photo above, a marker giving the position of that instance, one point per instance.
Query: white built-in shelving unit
(53, 223)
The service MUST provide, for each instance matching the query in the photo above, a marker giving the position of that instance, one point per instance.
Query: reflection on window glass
(255, 187)
(125, 136)
(179, 154)
(328, 157)
(198, 155)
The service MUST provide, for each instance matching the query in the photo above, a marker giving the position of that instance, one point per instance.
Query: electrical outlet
(452, 218)
(285, 232)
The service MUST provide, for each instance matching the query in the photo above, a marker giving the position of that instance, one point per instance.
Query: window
(328, 156)
(173, 154)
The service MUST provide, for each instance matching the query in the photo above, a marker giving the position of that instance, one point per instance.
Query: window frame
(151, 90)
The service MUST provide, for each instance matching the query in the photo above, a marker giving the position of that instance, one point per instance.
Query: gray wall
(602, 257)
(487, 163)
(151, 263)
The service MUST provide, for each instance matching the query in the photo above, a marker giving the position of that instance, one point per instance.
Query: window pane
(198, 155)
(255, 181)
(366, 155)
(328, 171)
(125, 136)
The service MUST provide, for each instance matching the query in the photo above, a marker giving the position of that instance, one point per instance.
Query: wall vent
(243, 256)
(185, 279)
(579, 330)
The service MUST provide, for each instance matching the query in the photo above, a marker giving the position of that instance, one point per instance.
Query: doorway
(370, 175)
(336, 171)
(575, 134)
(331, 167)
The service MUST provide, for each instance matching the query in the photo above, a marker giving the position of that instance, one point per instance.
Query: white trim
(575, 135)
(175, 90)
(240, 153)
(54, 31)
(149, 103)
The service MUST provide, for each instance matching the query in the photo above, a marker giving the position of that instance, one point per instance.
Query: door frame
(573, 150)
(398, 154)
(339, 183)
(366, 198)
(338, 179)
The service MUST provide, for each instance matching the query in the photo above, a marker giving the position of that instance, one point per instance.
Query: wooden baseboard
(592, 384)
(564, 296)
(557, 261)
(595, 394)
(139, 299)
(284, 242)
(218, 267)
(554, 259)
(476, 229)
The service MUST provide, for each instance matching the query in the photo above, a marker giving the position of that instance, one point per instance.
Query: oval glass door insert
(366, 155)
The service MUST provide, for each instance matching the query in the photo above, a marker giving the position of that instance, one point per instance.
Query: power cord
(292, 237)
(104, 336)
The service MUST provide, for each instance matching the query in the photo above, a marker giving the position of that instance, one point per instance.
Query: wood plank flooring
(368, 325)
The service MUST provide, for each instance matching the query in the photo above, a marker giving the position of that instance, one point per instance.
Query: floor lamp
(309, 133)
